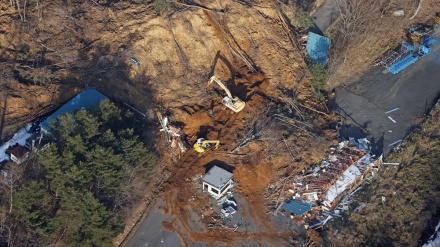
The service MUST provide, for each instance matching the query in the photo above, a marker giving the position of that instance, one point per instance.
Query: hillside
(157, 56)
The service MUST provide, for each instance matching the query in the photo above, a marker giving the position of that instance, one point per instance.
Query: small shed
(318, 48)
(217, 181)
(297, 207)
(18, 154)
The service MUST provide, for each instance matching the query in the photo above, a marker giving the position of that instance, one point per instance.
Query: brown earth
(67, 45)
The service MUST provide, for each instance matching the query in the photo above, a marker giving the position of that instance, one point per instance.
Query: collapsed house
(322, 187)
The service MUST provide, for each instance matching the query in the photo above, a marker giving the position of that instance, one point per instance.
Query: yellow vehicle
(202, 145)
(233, 103)
(437, 17)
(418, 33)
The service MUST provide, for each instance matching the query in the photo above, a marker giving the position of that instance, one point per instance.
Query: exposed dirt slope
(77, 44)
(84, 44)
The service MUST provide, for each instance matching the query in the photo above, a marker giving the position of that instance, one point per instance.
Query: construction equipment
(419, 32)
(202, 145)
(437, 17)
(233, 103)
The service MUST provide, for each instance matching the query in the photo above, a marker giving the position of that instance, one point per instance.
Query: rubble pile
(321, 188)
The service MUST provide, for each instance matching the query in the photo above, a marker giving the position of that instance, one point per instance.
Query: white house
(217, 182)
(19, 154)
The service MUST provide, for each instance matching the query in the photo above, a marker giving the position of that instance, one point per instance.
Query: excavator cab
(233, 103)
(202, 145)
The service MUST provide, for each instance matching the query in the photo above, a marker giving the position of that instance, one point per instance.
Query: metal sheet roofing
(86, 99)
(297, 208)
(217, 177)
(318, 48)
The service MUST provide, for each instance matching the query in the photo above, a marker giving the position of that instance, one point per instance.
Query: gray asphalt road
(324, 16)
(414, 90)
(152, 234)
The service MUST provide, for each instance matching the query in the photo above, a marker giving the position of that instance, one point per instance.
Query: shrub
(161, 6)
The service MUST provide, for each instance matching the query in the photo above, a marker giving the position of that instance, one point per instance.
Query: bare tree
(20, 13)
(353, 15)
(12, 177)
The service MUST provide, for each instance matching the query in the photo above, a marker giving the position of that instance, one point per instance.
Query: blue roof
(317, 48)
(86, 99)
(297, 208)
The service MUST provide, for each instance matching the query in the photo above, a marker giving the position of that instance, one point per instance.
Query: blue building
(297, 207)
(86, 99)
(317, 48)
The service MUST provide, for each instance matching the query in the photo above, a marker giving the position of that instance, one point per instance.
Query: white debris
(394, 121)
(399, 12)
(434, 240)
(364, 144)
(348, 177)
(392, 110)
(358, 208)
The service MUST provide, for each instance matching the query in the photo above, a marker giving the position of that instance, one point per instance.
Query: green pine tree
(32, 206)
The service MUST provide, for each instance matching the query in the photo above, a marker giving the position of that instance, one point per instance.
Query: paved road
(152, 234)
(414, 90)
(324, 17)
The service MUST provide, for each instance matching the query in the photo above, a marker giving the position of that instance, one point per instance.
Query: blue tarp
(297, 208)
(86, 99)
(403, 63)
(317, 48)
(428, 41)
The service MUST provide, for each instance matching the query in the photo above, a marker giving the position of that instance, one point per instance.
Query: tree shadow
(206, 131)
(228, 64)
(220, 164)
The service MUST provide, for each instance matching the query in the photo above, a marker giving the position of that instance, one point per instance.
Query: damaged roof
(217, 177)
(297, 208)
(19, 151)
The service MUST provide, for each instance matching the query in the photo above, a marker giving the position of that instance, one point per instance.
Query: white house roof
(217, 177)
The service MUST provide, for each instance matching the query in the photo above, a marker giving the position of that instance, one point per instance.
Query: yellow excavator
(233, 103)
(202, 145)
(437, 17)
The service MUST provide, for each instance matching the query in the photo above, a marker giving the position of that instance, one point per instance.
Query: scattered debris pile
(320, 189)
(174, 135)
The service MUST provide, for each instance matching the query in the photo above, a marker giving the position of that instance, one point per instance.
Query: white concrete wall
(208, 188)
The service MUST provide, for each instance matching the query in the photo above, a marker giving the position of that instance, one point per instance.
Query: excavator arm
(233, 103)
(213, 78)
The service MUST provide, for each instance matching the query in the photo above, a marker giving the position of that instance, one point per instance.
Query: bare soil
(91, 43)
